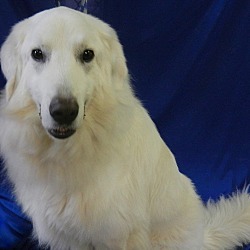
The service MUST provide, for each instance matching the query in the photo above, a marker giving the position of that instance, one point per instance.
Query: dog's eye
(37, 55)
(87, 55)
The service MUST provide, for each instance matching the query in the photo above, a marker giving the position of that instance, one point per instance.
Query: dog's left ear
(119, 68)
(118, 60)
(10, 57)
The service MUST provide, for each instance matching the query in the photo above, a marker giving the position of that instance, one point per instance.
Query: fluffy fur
(113, 184)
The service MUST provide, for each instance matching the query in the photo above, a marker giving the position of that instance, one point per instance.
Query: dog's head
(55, 61)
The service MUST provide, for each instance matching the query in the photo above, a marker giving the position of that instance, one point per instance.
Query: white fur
(113, 184)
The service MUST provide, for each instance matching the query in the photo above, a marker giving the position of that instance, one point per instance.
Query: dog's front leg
(136, 241)
(82, 247)
(139, 240)
(111, 246)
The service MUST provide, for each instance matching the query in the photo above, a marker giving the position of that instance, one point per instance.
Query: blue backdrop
(190, 65)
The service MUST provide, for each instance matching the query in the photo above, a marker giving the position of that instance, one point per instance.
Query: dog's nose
(64, 110)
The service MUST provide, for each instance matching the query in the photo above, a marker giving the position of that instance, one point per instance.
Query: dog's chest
(74, 215)
(67, 196)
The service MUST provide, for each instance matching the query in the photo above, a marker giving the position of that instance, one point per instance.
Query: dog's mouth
(61, 132)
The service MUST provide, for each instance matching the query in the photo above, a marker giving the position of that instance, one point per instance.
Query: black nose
(63, 110)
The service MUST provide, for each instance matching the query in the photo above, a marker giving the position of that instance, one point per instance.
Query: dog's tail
(227, 222)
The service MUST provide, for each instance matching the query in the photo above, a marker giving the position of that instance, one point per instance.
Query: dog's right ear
(10, 57)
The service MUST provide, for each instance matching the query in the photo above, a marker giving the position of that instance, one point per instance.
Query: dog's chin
(61, 132)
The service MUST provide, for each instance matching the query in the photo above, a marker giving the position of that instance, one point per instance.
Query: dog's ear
(10, 57)
(118, 60)
(119, 67)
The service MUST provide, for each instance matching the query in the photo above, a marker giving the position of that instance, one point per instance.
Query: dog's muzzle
(63, 111)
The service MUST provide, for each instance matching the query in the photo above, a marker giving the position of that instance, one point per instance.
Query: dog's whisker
(84, 113)
(40, 115)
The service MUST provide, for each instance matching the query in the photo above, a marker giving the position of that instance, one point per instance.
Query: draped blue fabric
(190, 65)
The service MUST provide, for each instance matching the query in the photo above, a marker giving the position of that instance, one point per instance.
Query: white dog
(88, 164)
